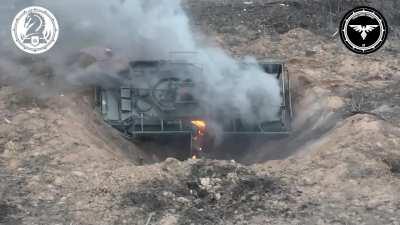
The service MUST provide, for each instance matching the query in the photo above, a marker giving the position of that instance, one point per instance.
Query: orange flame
(200, 124)
(198, 138)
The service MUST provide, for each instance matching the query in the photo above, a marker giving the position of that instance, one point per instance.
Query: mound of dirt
(353, 167)
(60, 164)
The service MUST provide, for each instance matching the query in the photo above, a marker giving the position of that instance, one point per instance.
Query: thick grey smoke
(152, 29)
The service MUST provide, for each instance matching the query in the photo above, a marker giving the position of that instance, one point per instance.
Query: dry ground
(60, 164)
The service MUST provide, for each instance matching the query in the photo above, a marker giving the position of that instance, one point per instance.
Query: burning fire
(198, 138)
(201, 125)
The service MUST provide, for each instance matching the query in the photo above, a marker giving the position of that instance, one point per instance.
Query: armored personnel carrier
(160, 100)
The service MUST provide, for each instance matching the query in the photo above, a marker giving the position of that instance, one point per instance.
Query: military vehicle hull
(151, 103)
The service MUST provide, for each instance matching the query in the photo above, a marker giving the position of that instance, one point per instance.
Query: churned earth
(60, 164)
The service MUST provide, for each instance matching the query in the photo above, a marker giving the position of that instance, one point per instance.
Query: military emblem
(363, 30)
(35, 30)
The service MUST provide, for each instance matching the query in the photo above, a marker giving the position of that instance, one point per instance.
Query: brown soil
(60, 164)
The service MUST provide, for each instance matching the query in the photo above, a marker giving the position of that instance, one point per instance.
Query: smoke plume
(143, 29)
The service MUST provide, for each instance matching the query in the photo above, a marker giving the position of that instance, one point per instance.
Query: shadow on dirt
(6, 212)
(394, 165)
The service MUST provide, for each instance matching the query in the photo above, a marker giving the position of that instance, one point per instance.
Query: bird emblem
(363, 29)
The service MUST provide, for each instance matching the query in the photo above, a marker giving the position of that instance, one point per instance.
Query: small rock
(171, 164)
(183, 200)
(255, 198)
(168, 194)
(217, 196)
(206, 182)
(170, 161)
(169, 220)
